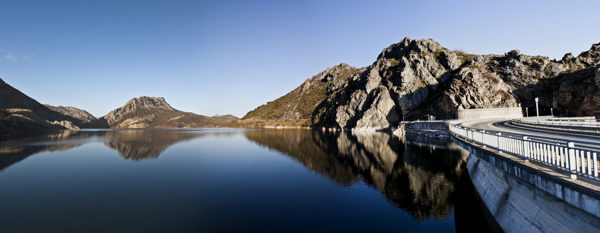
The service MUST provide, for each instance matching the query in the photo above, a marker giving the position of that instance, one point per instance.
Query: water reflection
(415, 175)
(225, 183)
(16, 150)
(144, 143)
(133, 145)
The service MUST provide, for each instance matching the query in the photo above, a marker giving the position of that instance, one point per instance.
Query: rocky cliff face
(415, 78)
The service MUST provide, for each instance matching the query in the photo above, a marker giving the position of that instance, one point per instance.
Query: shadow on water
(426, 177)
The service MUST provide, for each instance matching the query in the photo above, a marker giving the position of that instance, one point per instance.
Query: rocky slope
(153, 112)
(84, 116)
(302, 102)
(19, 112)
(413, 78)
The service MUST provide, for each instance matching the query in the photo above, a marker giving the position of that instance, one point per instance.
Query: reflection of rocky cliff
(300, 145)
(418, 179)
(14, 151)
(144, 144)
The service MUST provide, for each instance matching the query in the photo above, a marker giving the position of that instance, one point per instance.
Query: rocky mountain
(84, 116)
(225, 118)
(415, 78)
(19, 112)
(302, 102)
(153, 112)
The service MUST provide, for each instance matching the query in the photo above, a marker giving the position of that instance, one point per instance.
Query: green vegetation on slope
(302, 100)
(274, 109)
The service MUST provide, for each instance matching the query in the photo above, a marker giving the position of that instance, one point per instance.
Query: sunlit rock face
(412, 174)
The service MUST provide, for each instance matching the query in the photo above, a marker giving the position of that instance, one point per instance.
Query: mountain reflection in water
(225, 180)
(130, 144)
(144, 143)
(414, 175)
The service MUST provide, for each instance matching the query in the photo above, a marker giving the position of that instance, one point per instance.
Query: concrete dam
(531, 183)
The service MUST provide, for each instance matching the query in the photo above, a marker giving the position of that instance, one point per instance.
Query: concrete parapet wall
(436, 125)
(432, 129)
(484, 113)
(525, 199)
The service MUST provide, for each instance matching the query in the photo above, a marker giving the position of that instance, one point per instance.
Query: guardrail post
(472, 135)
(589, 163)
(525, 148)
(498, 137)
(482, 142)
(572, 163)
(595, 165)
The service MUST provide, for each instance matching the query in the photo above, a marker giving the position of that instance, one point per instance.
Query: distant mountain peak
(147, 102)
(137, 103)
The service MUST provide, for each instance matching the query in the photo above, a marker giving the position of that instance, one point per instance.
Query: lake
(234, 180)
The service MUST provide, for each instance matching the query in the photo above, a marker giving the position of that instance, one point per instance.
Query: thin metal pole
(537, 109)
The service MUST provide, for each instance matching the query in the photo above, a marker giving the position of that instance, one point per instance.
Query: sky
(229, 57)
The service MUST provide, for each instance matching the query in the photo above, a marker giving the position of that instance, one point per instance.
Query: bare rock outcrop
(138, 122)
(474, 87)
(80, 114)
(381, 111)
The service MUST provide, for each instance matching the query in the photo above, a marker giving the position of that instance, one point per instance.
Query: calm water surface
(233, 180)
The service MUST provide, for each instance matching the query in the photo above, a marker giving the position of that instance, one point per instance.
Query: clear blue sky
(228, 57)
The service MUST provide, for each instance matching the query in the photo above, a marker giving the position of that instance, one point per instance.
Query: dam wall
(526, 197)
(484, 113)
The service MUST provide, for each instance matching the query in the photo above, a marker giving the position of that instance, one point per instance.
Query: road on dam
(509, 127)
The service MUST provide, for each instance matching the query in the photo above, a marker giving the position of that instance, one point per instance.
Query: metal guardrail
(585, 118)
(423, 121)
(576, 157)
(581, 124)
(562, 121)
